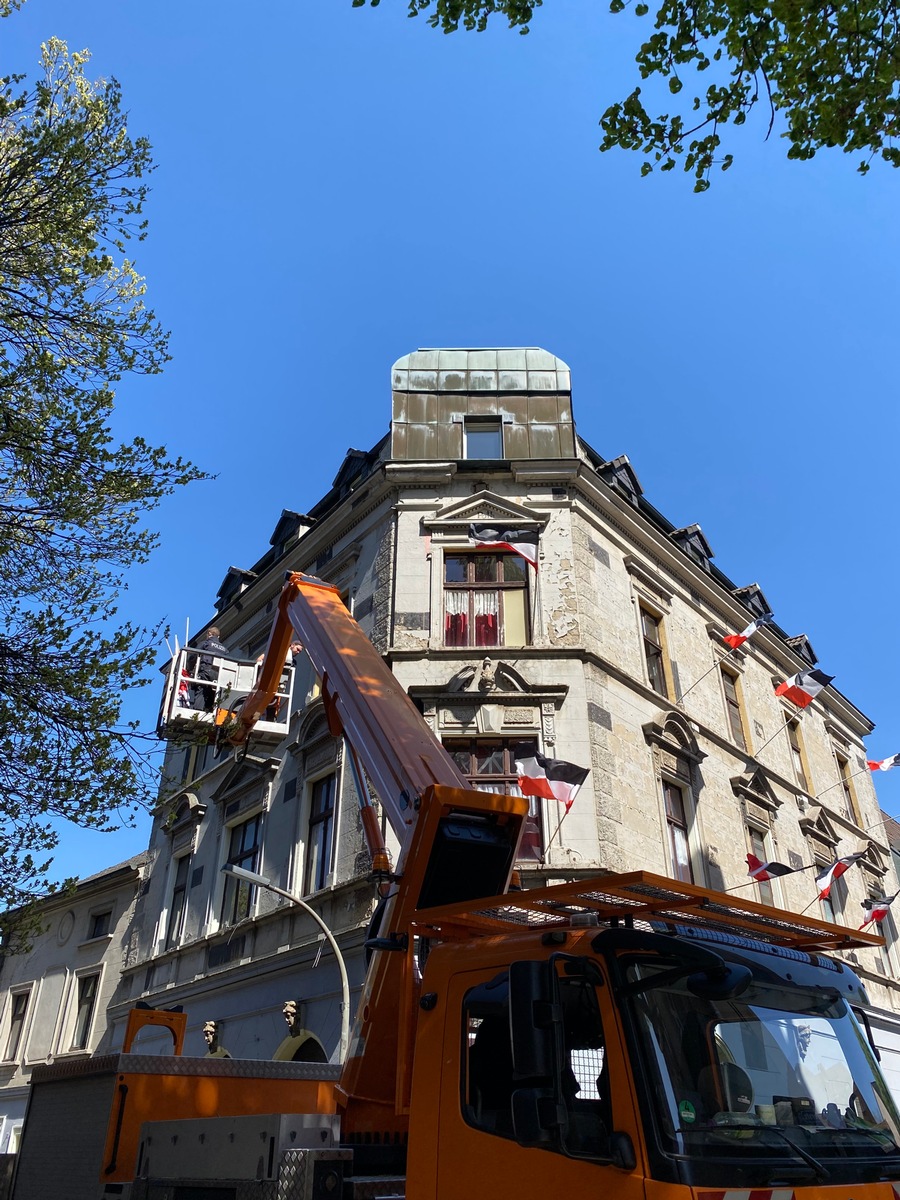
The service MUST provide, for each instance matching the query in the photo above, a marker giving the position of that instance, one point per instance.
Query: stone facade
(608, 655)
(55, 994)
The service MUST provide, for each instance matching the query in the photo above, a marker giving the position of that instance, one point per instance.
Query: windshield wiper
(822, 1173)
(881, 1136)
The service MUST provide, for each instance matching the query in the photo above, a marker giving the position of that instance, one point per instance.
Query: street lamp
(269, 886)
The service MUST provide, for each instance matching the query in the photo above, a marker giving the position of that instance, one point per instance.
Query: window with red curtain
(485, 600)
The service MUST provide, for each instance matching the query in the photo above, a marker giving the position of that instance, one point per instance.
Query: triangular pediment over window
(235, 582)
(251, 771)
(291, 525)
(820, 831)
(454, 519)
(753, 788)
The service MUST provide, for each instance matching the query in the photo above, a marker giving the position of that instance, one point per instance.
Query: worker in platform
(205, 668)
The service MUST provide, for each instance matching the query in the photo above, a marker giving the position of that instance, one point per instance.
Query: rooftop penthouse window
(484, 439)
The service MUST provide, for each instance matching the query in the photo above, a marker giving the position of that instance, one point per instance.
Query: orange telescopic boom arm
(363, 699)
(456, 843)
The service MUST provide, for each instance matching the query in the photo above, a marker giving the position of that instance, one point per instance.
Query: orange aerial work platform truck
(627, 1036)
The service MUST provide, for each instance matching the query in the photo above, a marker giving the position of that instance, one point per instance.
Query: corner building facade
(608, 654)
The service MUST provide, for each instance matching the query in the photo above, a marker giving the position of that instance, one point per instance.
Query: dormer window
(484, 439)
(753, 599)
(619, 474)
(801, 645)
(694, 544)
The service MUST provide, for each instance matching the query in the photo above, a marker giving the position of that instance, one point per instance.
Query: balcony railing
(204, 691)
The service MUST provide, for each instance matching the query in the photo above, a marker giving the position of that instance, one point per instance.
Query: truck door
(478, 1145)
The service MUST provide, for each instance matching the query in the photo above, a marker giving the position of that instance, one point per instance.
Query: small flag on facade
(877, 910)
(826, 878)
(737, 639)
(550, 778)
(886, 764)
(504, 537)
(803, 688)
(764, 871)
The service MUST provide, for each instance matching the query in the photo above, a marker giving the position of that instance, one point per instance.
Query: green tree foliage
(827, 74)
(73, 502)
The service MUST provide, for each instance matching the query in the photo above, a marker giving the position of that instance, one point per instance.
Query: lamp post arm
(260, 881)
(342, 966)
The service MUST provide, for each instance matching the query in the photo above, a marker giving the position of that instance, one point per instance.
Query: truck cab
(644, 1059)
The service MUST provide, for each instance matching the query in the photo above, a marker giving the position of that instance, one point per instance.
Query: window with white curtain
(485, 600)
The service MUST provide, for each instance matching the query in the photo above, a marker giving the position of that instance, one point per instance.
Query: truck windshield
(779, 1072)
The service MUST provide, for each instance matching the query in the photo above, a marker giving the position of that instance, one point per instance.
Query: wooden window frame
(234, 887)
(835, 903)
(82, 1027)
(472, 586)
(655, 652)
(465, 753)
(734, 709)
(178, 902)
(321, 824)
(678, 825)
(797, 753)
(765, 890)
(18, 1022)
(851, 801)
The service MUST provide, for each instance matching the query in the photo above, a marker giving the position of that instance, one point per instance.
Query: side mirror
(621, 1151)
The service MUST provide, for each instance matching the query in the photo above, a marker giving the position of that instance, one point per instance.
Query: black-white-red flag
(550, 778)
(884, 764)
(877, 910)
(737, 639)
(826, 878)
(803, 688)
(764, 871)
(506, 537)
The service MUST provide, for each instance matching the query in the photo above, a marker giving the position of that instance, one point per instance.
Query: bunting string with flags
(523, 542)
(549, 778)
(734, 640)
(877, 910)
(826, 878)
(884, 764)
(803, 687)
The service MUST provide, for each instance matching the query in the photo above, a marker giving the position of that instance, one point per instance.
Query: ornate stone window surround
(676, 760)
(448, 529)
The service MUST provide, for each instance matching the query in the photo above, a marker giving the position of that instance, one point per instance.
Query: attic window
(753, 599)
(801, 645)
(694, 544)
(484, 439)
(620, 475)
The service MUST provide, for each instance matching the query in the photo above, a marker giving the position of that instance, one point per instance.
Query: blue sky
(338, 186)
